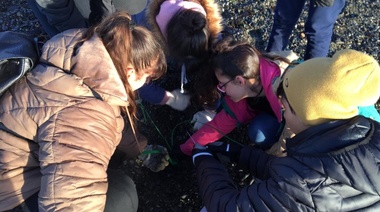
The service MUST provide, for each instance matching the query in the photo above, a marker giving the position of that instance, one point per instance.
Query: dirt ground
(174, 188)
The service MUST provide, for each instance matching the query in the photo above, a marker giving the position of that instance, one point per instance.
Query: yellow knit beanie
(323, 89)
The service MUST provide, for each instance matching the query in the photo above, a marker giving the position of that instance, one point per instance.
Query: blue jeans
(264, 130)
(318, 28)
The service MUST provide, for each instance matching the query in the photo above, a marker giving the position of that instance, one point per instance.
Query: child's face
(292, 120)
(136, 81)
(231, 87)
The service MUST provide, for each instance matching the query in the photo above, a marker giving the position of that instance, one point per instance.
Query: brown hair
(188, 35)
(233, 58)
(127, 46)
(236, 58)
(145, 47)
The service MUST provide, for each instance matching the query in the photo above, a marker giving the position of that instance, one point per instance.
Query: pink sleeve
(219, 126)
(269, 71)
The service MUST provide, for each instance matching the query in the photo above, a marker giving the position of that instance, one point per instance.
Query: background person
(58, 16)
(319, 25)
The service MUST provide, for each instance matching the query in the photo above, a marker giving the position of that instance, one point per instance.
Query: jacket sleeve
(219, 193)
(128, 144)
(219, 126)
(255, 161)
(76, 145)
(152, 93)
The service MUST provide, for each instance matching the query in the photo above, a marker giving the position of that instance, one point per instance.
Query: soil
(174, 188)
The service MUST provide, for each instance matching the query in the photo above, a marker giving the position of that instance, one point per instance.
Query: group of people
(62, 124)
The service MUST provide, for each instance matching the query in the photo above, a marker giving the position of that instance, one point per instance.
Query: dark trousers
(318, 27)
(65, 14)
(264, 130)
(60, 16)
(121, 194)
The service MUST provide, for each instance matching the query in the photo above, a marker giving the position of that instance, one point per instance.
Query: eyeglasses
(221, 87)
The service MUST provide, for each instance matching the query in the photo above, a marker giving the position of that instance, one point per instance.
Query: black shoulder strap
(18, 54)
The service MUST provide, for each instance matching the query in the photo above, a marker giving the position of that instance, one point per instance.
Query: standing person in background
(58, 16)
(319, 25)
(61, 123)
(333, 160)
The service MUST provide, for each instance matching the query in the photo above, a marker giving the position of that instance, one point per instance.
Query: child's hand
(177, 100)
(155, 157)
(202, 117)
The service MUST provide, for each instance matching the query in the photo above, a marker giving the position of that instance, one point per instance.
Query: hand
(202, 117)
(155, 157)
(231, 150)
(178, 100)
(198, 151)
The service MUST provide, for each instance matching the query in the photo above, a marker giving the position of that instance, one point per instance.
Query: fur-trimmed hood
(213, 15)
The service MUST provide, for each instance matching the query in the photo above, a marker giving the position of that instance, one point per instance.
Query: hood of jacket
(213, 16)
(338, 136)
(88, 62)
(62, 123)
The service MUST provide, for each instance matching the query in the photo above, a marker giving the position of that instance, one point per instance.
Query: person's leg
(263, 131)
(122, 193)
(49, 29)
(140, 18)
(286, 15)
(319, 28)
(57, 16)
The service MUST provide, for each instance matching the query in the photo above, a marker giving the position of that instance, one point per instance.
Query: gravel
(175, 188)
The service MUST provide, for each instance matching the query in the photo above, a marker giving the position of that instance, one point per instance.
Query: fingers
(155, 157)
(157, 162)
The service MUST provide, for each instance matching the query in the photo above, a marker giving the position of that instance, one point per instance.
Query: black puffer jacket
(330, 167)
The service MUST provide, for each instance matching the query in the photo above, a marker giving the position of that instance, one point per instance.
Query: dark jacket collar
(332, 137)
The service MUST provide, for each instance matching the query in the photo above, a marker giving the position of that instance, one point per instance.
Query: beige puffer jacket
(64, 135)
(213, 16)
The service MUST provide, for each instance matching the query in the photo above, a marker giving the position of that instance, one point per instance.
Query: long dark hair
(236, 58)
(188, 35)
(239, 57)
